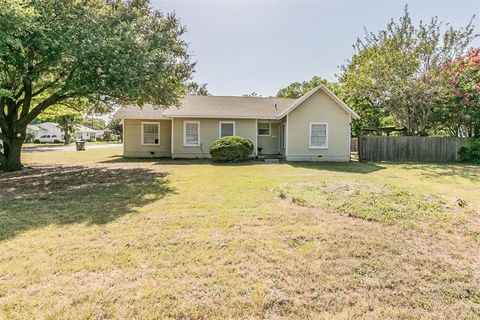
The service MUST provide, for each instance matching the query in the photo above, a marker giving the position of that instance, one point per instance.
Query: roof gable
(322, 87)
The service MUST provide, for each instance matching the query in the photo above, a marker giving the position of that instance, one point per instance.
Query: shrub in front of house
(471, 153)
(231, 149)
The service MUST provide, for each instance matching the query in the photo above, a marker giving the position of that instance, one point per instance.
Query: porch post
(255, 149)
(286, 138)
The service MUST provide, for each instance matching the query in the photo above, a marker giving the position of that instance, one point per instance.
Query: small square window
(227, 129)
(264, 129)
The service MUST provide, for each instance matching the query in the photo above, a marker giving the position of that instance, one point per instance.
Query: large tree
(395, 70)
(458, 112)
(101, 50)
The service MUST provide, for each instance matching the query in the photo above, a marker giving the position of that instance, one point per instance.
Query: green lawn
(88, 235)
(39, 145)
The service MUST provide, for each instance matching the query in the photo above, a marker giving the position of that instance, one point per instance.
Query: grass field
(89, 235)
(40, 145)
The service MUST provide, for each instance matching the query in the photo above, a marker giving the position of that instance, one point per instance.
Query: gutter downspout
(171, 139)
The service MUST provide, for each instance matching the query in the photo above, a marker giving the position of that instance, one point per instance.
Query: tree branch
(27, 87)
(54, 98)
(71, 106)
(10, 116)
(47, 86)
(19, 94)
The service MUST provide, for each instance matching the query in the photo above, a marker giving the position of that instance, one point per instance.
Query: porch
(270, 139)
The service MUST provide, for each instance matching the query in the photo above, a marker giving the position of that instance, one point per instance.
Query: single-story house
(314, 127)
(85, 133)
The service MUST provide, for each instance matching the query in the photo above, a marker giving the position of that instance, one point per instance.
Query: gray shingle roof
(133, 112)
(227, 107)
(212, 107)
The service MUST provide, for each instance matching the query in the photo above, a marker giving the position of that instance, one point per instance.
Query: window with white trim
(263, 129)
(191, 133)
(227, 128)
(318, 135)
(150, 133)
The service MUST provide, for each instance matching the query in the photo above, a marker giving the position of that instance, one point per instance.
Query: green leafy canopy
(396, 69)
(100, 51)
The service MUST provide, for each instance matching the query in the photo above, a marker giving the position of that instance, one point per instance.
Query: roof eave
(223, 117)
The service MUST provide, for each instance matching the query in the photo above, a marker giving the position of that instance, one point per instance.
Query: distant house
(86, 133)
(314, 127)
(42, 130)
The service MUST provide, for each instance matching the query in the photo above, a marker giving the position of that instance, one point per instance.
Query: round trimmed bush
(231, 148)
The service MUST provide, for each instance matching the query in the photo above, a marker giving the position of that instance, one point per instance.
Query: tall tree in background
(115, 126)
(105, 51)
(297, 89)
(396, 69)
(197, 89)
(459, 109)
(348, 89)
(252, 95)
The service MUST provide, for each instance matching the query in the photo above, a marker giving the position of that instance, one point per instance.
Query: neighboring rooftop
(82, 128)
(212, 107)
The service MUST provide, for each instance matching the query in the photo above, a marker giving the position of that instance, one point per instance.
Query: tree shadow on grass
(178, 161)
(156, 160)
(44, 195)
(351, 167)
(468, 171)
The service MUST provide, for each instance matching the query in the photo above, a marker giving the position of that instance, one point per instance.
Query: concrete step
(272, 160)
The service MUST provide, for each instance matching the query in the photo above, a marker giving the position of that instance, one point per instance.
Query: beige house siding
(271, 143)
(318, 108)
(132, 144)
(209, 133)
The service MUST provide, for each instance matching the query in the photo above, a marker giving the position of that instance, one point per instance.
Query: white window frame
(142, 135)
(310, 135)
(269, 129)
(185, 133)
(220, 127)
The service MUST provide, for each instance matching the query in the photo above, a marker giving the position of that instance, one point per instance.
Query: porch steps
(270, 160)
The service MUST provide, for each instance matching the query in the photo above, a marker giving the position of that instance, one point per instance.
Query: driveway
(70, 147)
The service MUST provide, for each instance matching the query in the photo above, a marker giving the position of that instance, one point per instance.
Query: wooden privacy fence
(418, 149)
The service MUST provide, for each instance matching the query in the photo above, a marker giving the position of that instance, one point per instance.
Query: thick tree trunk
(13, 155)
(10, 160)
(66, 134)
(67, 138)
(3, 160)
